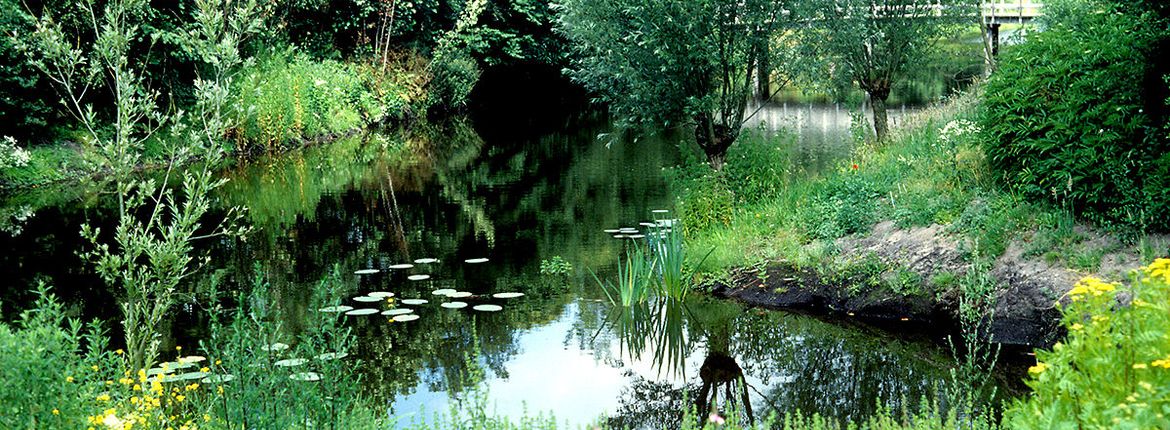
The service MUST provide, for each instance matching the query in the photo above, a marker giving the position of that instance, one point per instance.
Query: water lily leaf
(660, 211)
(488, 308)
(381, 294)
(442, 291)
(332, 356)
(476, 260)
(290, 362)
(159, 371)
(275, 347)
(367, 299)
(459, 294)
(611, 230)
(414, 302)
(397, 311)
(418, 277)
(191, 359)
(337, 308)
(215, 379)
(366, 271)
(647, 224)
(454, 305)
(507, 295)
(402, 266)
(305, 376)
(365, 311)
(619, 236)
(190, 376)
(405, 318)
(426, 261)
(635, 236)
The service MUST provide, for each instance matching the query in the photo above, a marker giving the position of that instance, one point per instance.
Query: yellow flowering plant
(1113, 368)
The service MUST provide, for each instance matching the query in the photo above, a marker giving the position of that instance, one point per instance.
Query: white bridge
(1009, 11)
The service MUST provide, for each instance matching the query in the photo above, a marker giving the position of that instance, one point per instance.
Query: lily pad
(275, 347)
(414, 302)
(611, 230)
(159, 371)
(488, 308)
(507, 295)
(476, 260)
(332, 356)
(418, 277)
(367, 299)
(402, 266)
(290, 362)
(215, 379)
(660, 211)
(619, 236)
(305, 376)
(365, 311)
(337, 308)
(405, 318)
(454, 305)
(459, 294)
(192, 359)
(189, 376)
(366, 271)
(647, 224)
(397, 311)
(426, 260)
(442, 291)
(381, 294)
(635, 236)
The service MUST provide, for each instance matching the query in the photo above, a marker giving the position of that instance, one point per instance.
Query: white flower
(12, 155)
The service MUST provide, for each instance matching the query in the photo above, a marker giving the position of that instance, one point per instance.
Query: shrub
(453, 77)
(1113, 369)
(1066, 114)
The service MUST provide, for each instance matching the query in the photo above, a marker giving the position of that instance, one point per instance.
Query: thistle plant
(150, 249)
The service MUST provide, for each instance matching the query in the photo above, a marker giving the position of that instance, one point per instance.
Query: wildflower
(1038, 368)
(219, 389)
(68, 379)
(218, 362)
(178, 348)
(1076, 327)
(180, 397)
(1163, 363)
(855, 166)
(206, 418)
(94, 367)
(56, 412)
(716, 419)
(1139, 365)
(119, 351)
(204, 369)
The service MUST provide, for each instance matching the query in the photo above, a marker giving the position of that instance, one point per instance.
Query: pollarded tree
(668, 63)
(873, 43)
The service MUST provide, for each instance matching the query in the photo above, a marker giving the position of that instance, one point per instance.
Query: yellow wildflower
(1076, 327)
(56, 412)
(180, 397)
(1163, 363)
(205, 369)
(103, 398)
(68, 379)
(1139, 365)
(94, 367)
(1038, 368)
(119, 351)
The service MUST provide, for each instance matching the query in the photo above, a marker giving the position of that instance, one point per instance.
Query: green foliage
(262, 395)
(54, 368)
(25, 108)
(453, 77)
(671, 63)
(1113, 369)
(635, 280)
(289, 96)
(556, 266)
(1067, 116)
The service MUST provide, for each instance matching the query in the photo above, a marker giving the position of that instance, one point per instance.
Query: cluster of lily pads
(659, 227)
(403, 314)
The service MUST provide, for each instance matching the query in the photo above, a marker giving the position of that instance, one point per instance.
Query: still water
(516, 198)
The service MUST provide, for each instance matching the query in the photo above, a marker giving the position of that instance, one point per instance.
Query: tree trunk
(763, 73)
(881, 123)
(714, 139)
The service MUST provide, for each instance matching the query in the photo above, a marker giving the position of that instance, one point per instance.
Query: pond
(517, 198)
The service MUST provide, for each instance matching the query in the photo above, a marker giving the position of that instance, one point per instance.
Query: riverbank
(900, 230)
(285, 101)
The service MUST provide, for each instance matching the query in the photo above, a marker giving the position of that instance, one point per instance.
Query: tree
(874, 43)
(668, 63)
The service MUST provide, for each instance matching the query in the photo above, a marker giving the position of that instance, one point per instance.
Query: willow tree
(672, 63)
(874, 43)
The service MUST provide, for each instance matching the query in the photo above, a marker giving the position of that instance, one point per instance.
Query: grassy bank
(284, 100)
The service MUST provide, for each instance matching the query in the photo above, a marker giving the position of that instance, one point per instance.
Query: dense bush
(1113, 369)
(289, 96)
(453, 78)
(1068, 114)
